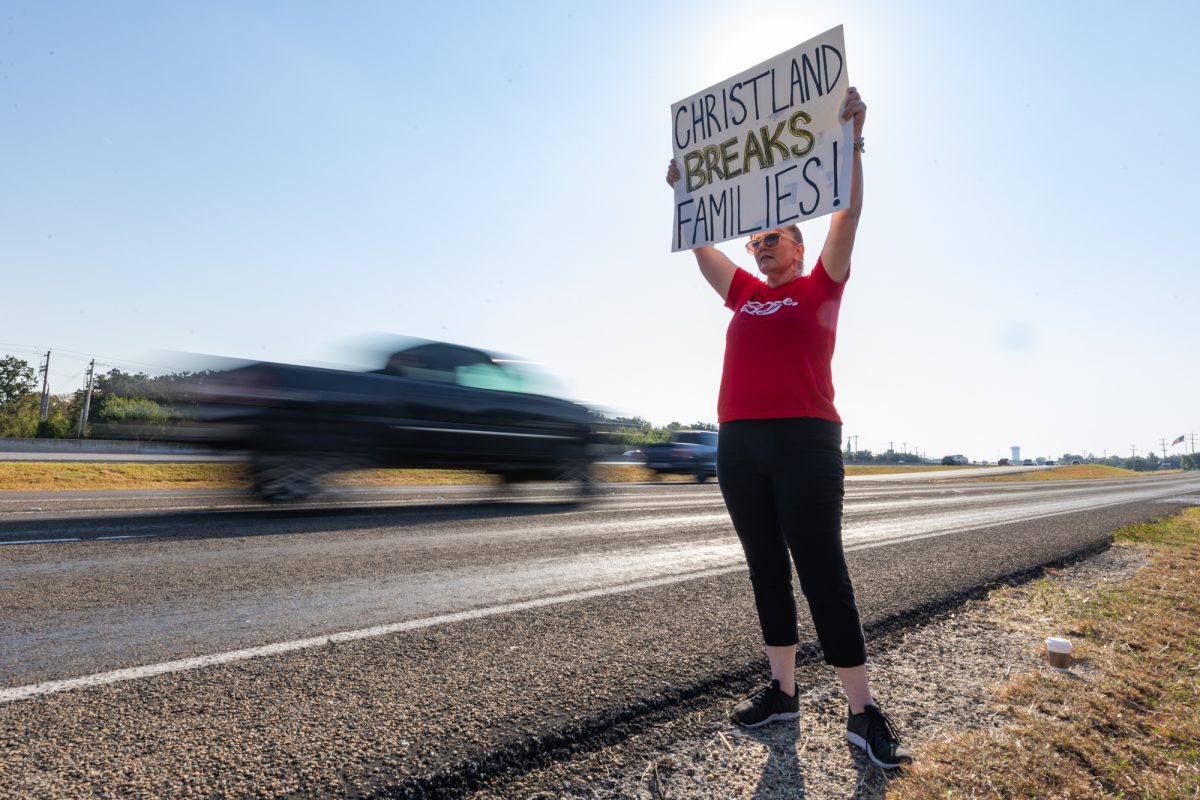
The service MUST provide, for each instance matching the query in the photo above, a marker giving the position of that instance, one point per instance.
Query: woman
(779, 458)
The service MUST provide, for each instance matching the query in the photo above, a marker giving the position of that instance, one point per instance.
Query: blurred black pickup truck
(687, 453)
(432, 405)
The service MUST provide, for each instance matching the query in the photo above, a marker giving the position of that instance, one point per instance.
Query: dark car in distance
(431, 405)
(686, 453)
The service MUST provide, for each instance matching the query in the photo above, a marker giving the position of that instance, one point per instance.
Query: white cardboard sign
(764, 148)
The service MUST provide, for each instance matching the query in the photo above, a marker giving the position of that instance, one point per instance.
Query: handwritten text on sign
(764, 148)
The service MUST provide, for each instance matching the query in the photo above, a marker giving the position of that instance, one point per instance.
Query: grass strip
(1073, 472)
(48, 476)
(41, 476)
(1124, 722)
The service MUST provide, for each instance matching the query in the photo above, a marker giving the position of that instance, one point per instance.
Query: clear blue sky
(265, 180)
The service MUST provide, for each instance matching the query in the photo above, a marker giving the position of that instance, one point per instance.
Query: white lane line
(41, 541)
(134, 673)
(82, 539)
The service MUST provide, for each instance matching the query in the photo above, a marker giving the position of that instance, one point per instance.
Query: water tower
(1016, 454)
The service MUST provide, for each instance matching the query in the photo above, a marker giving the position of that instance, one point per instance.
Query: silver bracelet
(860, 145)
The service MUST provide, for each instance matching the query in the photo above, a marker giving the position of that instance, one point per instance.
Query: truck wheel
(581, 475)
(284, 479)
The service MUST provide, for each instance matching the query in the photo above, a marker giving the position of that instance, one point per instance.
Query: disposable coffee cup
(1058, 653)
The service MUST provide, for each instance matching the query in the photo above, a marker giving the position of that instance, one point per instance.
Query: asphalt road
(415, 642)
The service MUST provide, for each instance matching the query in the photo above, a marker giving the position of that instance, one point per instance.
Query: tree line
(136, 397)
(887, 457)
(117, 397)
(634, 432)
(1147, 463)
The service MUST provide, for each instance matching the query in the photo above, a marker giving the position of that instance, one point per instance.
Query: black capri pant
(783, 485)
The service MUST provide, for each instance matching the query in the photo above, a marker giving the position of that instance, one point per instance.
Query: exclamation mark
(836, 200)
(767, 204)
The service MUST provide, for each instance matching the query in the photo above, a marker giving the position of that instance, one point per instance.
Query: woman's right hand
(672, 173)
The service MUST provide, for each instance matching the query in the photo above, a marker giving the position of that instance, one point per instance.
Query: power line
(106, 361)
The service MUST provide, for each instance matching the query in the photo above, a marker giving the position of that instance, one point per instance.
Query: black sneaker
(768, 704)
(874, 732)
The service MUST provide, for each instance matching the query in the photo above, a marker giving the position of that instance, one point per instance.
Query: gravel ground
(933, 681)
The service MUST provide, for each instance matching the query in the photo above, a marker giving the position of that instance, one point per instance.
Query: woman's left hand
(853, 108)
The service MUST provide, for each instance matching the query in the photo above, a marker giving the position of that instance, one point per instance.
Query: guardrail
(94, 446)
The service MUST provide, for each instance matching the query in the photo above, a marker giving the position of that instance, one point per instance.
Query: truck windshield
(504, 375)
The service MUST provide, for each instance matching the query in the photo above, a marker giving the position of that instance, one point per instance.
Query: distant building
(1016, 454)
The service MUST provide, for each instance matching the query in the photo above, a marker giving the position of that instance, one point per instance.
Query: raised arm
(715, 266)
(843, 226)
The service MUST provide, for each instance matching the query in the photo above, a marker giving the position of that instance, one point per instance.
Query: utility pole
(1163, 444)
(87, 401)
(1193, 441)
(44, 371)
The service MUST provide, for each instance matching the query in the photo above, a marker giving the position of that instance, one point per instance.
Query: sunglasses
(770, 241)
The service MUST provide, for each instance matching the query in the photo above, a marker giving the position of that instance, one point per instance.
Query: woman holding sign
(779, 459)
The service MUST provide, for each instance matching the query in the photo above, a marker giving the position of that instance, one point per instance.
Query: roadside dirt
(933, 681)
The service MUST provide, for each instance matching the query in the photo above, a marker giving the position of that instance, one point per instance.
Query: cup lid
(1056, 644)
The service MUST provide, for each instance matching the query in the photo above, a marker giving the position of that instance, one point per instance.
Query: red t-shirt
(779, 348)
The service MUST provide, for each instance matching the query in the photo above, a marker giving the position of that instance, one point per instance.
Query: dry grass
(1124, 722)
(40, 476)
(37, 476)
(1073, 472)
(43, 476)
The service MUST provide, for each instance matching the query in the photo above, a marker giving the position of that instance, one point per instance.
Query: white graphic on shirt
(763, 309)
